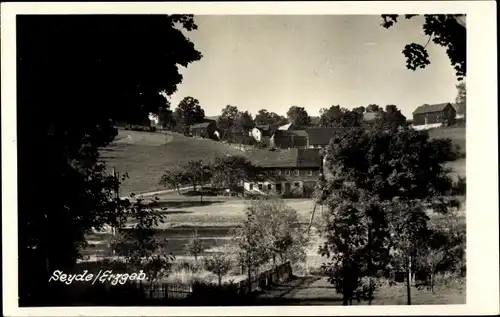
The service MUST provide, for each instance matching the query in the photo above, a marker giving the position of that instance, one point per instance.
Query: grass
(457, 136)
(144, 156)
(315, 290)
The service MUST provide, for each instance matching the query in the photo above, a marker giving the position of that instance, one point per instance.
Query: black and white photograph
(214, 160)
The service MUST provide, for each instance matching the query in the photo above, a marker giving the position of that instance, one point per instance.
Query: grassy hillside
(457, 136)
(144, 156)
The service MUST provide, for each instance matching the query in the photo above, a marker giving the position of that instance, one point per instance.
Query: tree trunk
(219, 276)
(178, 189)
(408, 281)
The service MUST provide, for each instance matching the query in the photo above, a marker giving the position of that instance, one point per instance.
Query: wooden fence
(167, 291)
(266, 279)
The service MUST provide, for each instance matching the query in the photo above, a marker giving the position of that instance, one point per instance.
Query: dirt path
(301, 290)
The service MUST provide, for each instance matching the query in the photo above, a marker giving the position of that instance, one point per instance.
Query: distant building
(204, 129)
(320, 137)
(287, 139)
(433, 116)
(291, 172)
(370, 116)
(262, 133)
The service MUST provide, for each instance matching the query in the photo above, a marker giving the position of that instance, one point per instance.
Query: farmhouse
(287, 139)
(292, 172)
(320, 137)
(433, 116)
(262, 133)
(204, 129)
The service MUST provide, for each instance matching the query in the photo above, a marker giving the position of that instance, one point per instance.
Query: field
(144, 156)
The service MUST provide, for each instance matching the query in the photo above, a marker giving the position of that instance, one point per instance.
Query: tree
(244, 121)
(166, 115)
(335, 116)
(275, 222)
(219, 264)
(446, 30)
(264, 117)
(174, 178)
(197, 173)
(461, 93)
(373, 108)
(119, 64)
(391, 117)
(359, 109)
(227, 119)
(382, 181)
(229, 171)
(249, 241)
(189, 112)
(298, 116)
(139, 246)
(461, 99)
(194, 246)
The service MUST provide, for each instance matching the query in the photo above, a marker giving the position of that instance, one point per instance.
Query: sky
(274, 62)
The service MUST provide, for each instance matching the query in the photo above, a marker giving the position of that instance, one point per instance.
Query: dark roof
(321, 136)
(264, 127)
(202, 125)
(305, 158)
(301, 133)
(431, 108)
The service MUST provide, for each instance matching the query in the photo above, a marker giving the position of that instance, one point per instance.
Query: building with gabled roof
(435, 115)
(292, 172)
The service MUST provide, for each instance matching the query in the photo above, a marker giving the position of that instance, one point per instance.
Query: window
(269, 187)
(287, 172)
(260, 186)
(251, 186)
(297, 172)
(310, 173)
(296, 184)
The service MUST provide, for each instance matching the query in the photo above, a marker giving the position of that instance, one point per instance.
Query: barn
(434, 115)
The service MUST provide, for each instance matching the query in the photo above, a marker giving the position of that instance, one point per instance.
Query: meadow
(144, 156)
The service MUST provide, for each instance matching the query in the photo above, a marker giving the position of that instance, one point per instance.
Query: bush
(460, 187)
(189, 266)
(208, 294)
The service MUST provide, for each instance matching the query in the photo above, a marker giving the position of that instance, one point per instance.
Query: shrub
(187, 266)
(194, 246)
(460, 187)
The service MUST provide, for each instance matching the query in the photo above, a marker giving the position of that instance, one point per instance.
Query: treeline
(223, 172)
